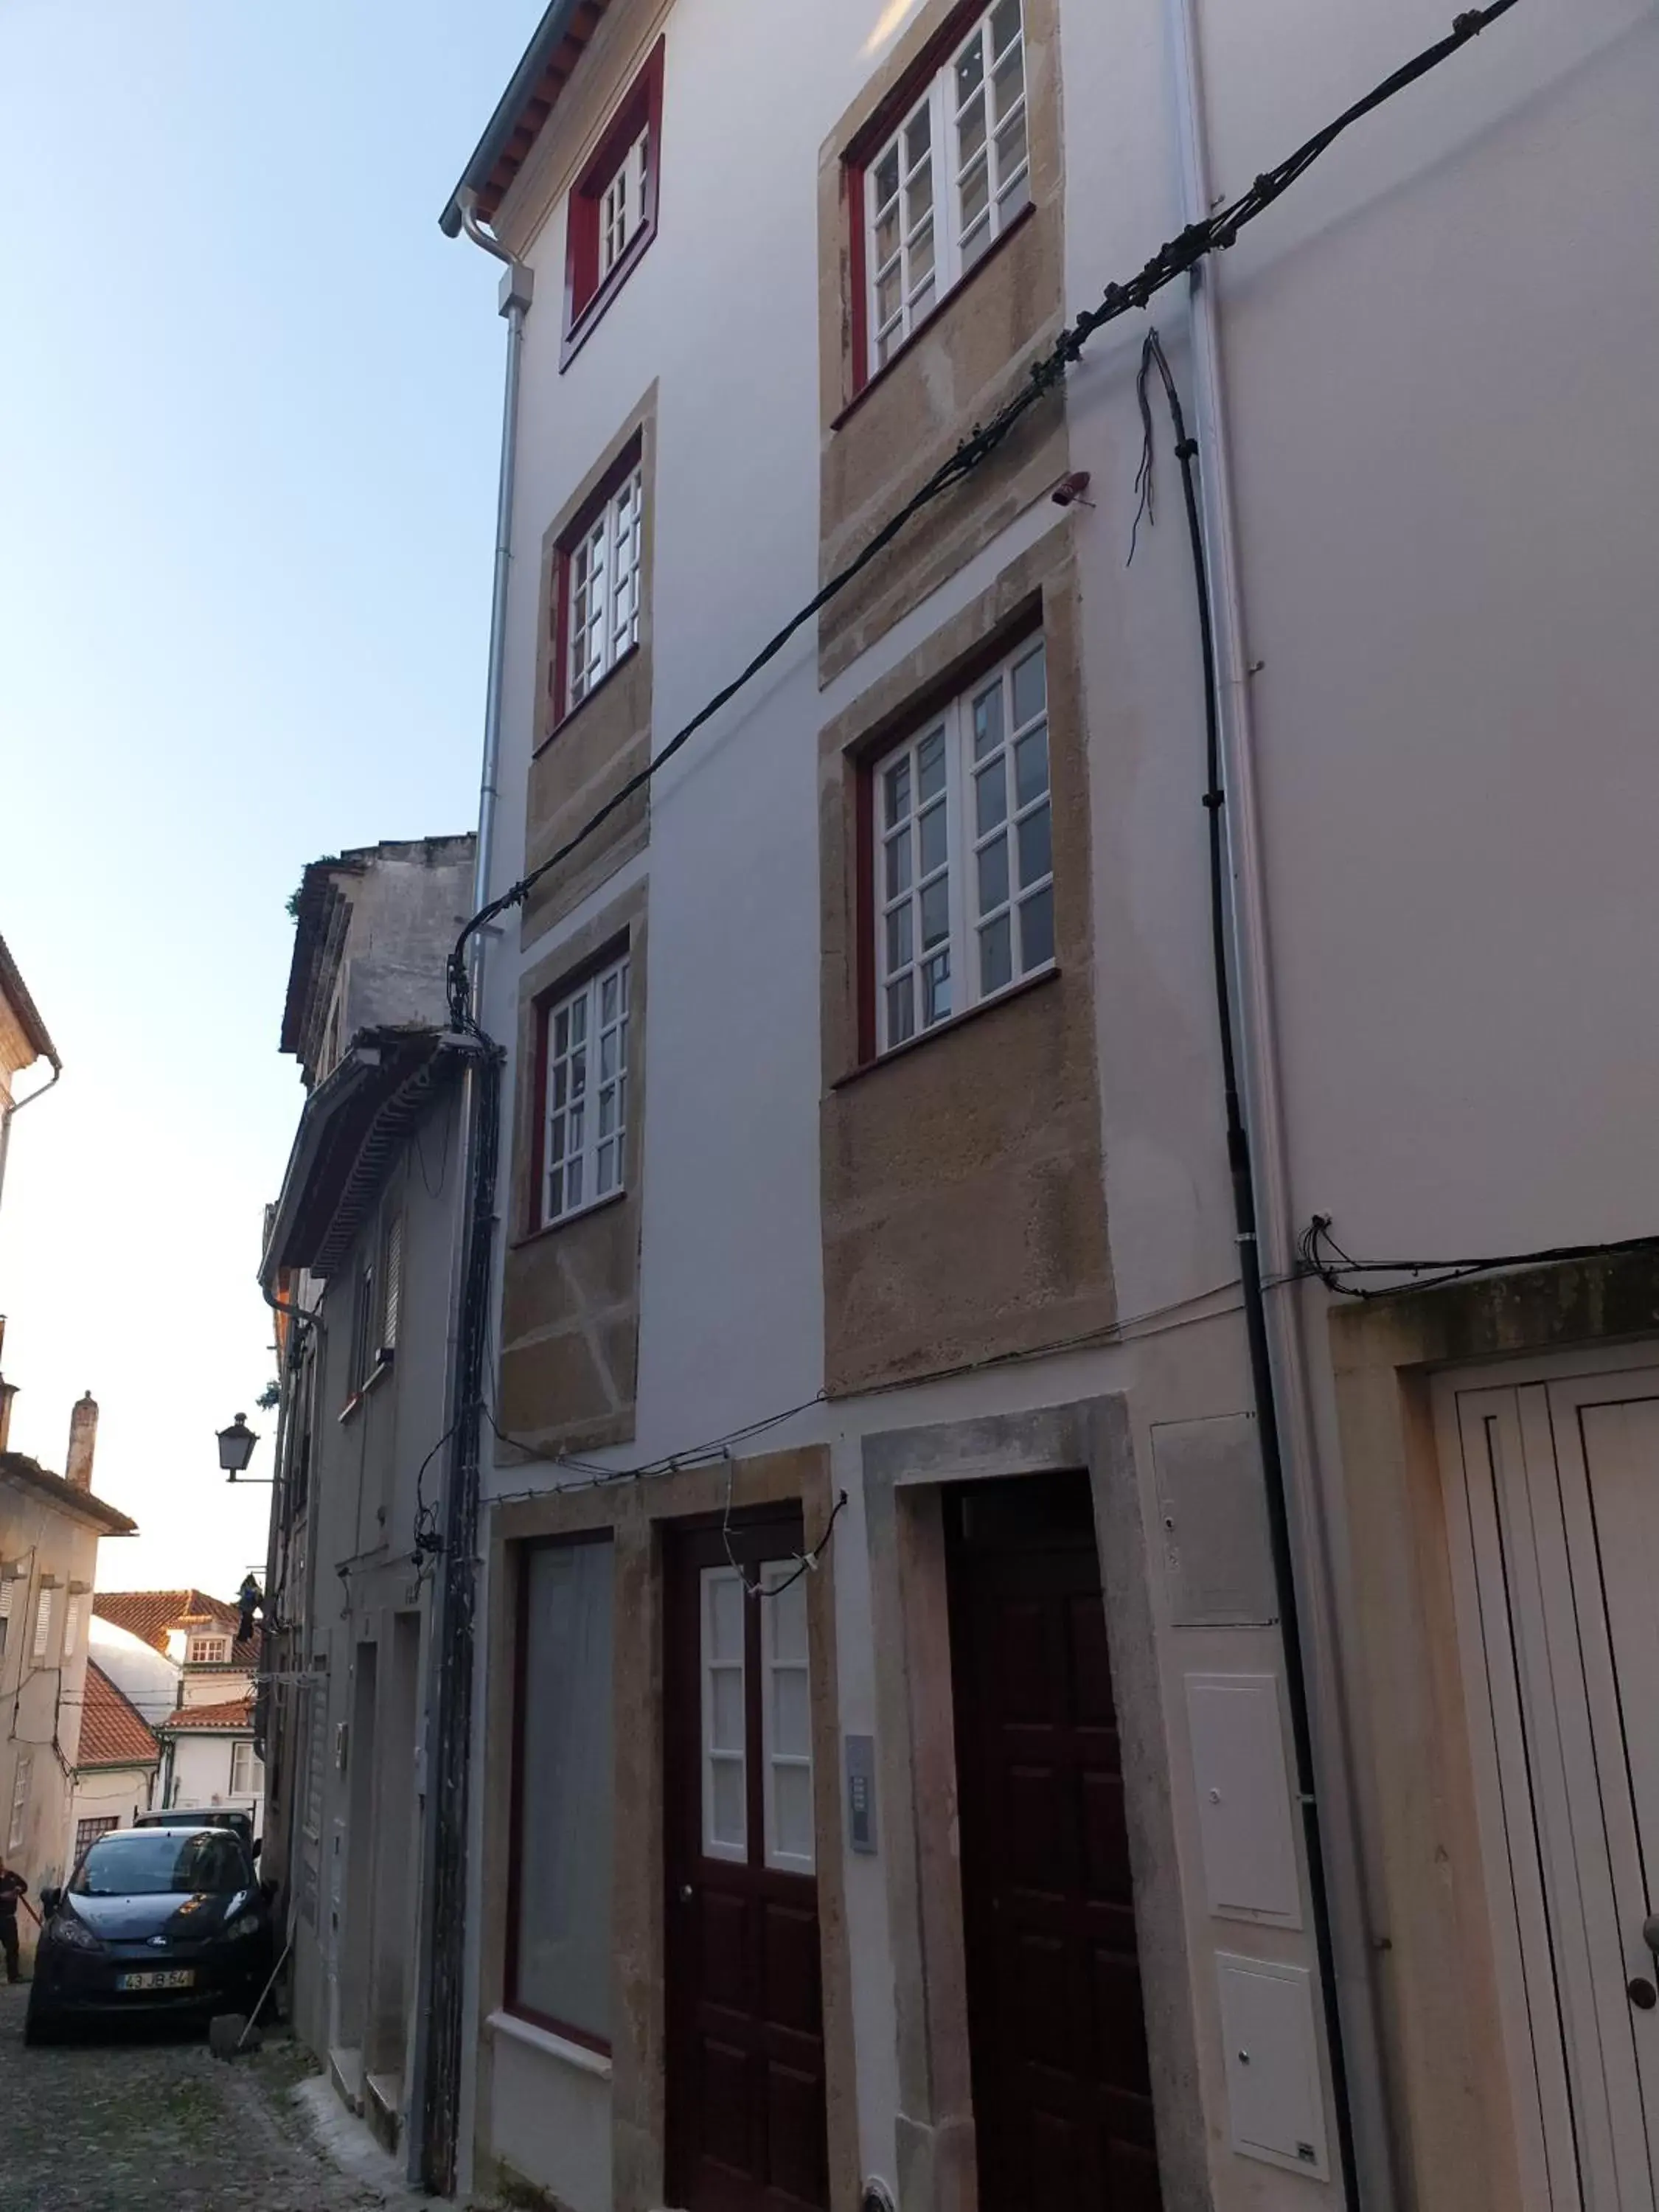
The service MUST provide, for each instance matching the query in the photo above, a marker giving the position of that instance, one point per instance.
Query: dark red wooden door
(745, 2089)
(1062, 2103)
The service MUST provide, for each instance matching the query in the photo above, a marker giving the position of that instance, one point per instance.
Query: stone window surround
(881, 436)
(581, 755)
(613, 1222)
(634, 1516)
(1450, 2116)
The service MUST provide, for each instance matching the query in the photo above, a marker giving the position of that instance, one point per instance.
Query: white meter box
(1273, 2093)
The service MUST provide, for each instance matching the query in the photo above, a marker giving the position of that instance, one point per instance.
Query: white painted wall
(1440, 352)
(201, 1775)
(109, 1792)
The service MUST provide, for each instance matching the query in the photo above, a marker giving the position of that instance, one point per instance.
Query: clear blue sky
(249, 414)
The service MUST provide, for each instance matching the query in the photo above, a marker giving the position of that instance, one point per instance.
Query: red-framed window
(559, 1935)
(579, 1157)
(939, 174)
(956, 859)
(613, 205)
(597, 572)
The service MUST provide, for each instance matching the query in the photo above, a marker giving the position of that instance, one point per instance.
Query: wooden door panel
(1062, 2103)
(745, 2071)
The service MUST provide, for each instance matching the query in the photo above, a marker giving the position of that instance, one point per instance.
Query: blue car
(154, 1923)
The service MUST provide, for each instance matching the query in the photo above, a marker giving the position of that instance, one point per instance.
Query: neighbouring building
(24, 1040)
(116, 1762)
(49, 1528)
(359, 1256)
(866, 1195)
(208, 1751)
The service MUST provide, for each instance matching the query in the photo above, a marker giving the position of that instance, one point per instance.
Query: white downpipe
(1258, 1034)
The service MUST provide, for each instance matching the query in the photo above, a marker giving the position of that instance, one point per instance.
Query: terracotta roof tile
(148, 1614)
(215, 1719)
(113, 1732)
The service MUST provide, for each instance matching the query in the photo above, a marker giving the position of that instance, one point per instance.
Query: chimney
(83, 1434)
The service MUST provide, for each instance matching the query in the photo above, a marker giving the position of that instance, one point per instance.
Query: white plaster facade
(1439, 364)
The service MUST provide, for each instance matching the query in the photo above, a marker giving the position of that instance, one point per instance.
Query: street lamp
(236, 1447)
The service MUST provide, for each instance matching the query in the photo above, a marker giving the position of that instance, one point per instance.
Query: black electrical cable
(1242, 1173)
(1214, 234)
(1316, 1240)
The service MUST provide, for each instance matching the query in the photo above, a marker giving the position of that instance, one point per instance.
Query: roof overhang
(560, 40)
(352, 1120)
(15, 991)
(42, 1485)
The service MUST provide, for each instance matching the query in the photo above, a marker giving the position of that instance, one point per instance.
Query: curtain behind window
(563, 1843)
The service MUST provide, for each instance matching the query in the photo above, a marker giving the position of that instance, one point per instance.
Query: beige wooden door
(1556, 1553)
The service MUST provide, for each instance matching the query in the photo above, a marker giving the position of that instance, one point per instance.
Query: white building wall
(202, 1776)
(109, 1792)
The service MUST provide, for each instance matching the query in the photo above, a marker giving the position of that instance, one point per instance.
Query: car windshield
(150, 1863)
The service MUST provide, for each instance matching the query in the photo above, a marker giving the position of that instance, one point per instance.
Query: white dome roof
(145, 1675)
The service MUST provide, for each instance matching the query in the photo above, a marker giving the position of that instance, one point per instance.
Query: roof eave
(551, 34)
(12, 988)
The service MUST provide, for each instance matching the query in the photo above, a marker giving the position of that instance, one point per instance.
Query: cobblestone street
(158, 2124)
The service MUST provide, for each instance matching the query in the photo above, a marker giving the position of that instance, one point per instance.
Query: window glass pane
(918, 135)
(898, 863)
(970, 67)
(932, 828)
(1004, 24)
(1009, 87)
(990, 796)
(563, 1843)
(1031, 766)
(970, 133)
(792, 1729)
(896, 784)
(726, 1708)
(1010, 146)
(930, 765)
(573, 1174)
(921, 267)
(936, 990)
(975, 193)
(901, 1010)
(993, 875)
(1036, 860)
(727, 1830)
(724, 1621)
(987, 720)
(890, 293)
(996, 967)
(919, 198)
(605, 1171)
(792, 1815)
(887, 177)
(1037, 931)
(936, 912)
(887, 237)
(898, 938)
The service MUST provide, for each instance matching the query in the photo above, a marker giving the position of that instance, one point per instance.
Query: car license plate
(174, 1977)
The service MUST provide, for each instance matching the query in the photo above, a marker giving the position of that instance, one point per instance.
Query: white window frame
(584, 1094)
(602, 589)
(779, 1604)
(198, 1654)
(42, 1629)
(907, 898)
(919, 228)
(714, 1755)
(241, 1753)
(622, 203)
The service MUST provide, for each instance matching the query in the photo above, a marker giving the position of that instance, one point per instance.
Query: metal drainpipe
(1356, 1993)
(15, 1106)
(517, 287)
